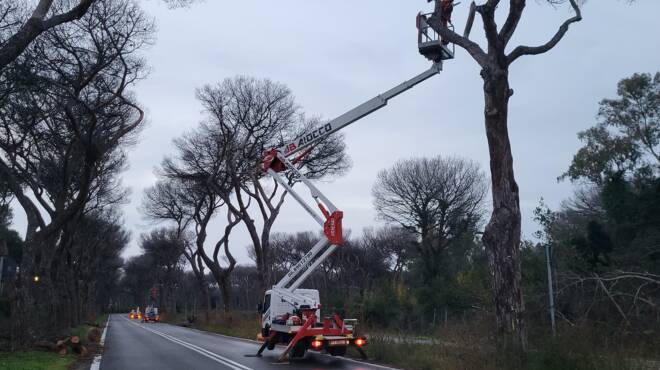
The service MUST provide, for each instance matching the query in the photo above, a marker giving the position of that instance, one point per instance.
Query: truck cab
(278, 307)
(151, 314)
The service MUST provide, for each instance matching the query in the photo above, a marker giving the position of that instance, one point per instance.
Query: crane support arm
(364, 109)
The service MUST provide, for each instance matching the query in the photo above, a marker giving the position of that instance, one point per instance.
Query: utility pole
(551, 296)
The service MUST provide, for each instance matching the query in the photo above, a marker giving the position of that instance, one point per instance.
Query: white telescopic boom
(309, 138)
(324, 248)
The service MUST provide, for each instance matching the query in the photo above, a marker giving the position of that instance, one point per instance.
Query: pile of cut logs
(72, 344)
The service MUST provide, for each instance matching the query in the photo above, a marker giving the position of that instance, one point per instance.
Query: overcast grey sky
(337, 54)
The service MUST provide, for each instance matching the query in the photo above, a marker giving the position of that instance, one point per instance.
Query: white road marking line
(214, 356)
(96, 363)
(361, 362)
(319, 354)
(105, 330)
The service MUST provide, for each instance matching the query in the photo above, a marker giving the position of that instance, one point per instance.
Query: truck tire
(299, 350)
(337, 351)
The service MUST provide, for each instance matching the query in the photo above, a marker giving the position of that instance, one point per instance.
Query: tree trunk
(224, 290)
(24, 308)
(206, 298)
(502, 234)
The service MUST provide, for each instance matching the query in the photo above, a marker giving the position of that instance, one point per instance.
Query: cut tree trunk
(77, 346)
(502, 234)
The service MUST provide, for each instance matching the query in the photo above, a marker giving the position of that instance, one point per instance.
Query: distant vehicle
(135, 314)
(151, 314)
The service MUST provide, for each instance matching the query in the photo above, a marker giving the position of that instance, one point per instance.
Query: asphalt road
(134, 345)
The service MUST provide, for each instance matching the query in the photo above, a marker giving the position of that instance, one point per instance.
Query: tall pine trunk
(502, 234)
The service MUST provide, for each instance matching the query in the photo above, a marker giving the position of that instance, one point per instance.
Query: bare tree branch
(35, 26)
(516, 8)
(535, 50)
(470, 46)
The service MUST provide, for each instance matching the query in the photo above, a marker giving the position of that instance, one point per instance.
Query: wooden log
(61, 346)
(46, 345)
(75, 344)
(62, 342)
(94, 335)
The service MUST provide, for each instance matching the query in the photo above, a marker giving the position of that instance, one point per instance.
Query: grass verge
(461, 347)
(235, 324)
(414, 356)
(34, 360)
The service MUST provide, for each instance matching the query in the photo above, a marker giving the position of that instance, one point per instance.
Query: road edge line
(96, 363)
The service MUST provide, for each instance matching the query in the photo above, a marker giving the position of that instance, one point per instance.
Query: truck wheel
(337, 351)
(299, 350)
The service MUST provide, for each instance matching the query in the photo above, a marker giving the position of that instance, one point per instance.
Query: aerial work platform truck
(291, 315)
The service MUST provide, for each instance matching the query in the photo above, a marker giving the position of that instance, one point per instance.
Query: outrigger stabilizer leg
(263, 346)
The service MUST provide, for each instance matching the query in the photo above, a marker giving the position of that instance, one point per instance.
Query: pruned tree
(91, 263)
(165, 248)
(17, 33)
(246, 116)
(502, 233)
(168, 201)
(199, 172)
(66, 115)
(19, 27)
(438, 199)
(137, 279)
(206, 204)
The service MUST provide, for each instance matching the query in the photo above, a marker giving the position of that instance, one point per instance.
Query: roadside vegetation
(469, 345)
(235, 324)
(35, 360)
